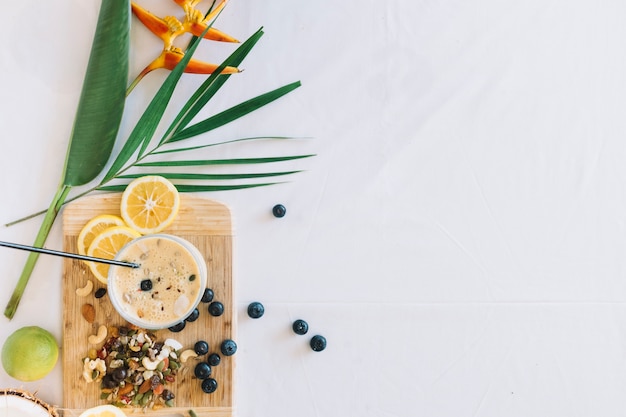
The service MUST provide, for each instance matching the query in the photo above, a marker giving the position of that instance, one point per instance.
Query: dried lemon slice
(103, 411)
(150, 204)
(106, 245)
(93, 228)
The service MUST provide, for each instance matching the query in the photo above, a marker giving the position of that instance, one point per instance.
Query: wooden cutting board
(206, 224)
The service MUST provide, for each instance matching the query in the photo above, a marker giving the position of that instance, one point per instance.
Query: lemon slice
(93, 228)
(150, 204)
(103, 411)
(106, 245)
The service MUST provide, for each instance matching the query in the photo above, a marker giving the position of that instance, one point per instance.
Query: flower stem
(42, 235)
(132, 85)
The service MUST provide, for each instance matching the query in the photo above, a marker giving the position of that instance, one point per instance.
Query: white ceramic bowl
(123, 300)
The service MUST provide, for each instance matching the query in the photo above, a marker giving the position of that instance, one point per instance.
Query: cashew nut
(148, 364)
(86, 290)
(94, 339)
(89, 366)
(189, 353)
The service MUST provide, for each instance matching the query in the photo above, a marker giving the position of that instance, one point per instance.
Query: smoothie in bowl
(166, 287)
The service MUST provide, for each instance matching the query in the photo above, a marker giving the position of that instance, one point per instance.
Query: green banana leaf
(96, 124)
(103, 96)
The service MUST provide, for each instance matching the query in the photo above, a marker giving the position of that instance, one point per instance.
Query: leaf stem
(23, 219)
(40, 240)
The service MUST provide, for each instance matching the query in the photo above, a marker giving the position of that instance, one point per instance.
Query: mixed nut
(133, 368)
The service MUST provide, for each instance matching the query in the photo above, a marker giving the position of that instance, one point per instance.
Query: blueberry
(256, 310)
(216, 308)
(279, 210)
(192, 277)
(228, 347)
(300, 327)
(146, 285)
(201, 347)
(100, 292)
(209, 385)
(108, 382)
(207, 297)
(318, 343)
(177, 327)
(214, 359)
(202, 370)
(193, 316)
(119, 374)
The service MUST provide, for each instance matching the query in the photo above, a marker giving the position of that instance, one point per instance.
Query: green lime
(29, 353)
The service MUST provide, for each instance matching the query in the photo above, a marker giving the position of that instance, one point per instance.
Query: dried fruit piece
(167, 395)
(126, 389)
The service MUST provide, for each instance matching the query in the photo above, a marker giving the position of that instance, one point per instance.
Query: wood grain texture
(206, 224)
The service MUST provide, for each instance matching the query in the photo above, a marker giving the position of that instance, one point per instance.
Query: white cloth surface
(459, 236)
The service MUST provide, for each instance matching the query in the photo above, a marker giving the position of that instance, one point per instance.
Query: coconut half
(18, 403)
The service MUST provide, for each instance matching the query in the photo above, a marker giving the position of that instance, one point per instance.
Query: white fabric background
(459, 237)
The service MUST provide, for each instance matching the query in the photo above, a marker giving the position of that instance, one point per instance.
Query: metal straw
(68, 255)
